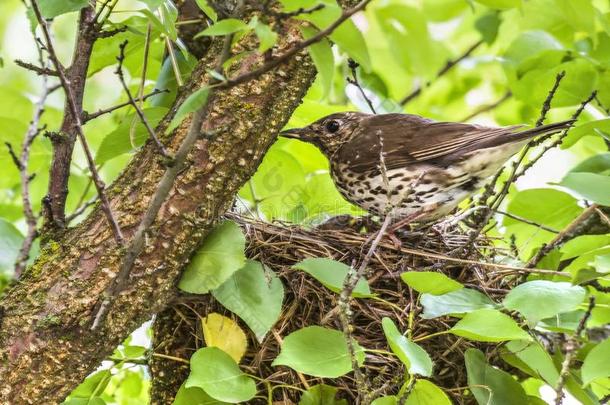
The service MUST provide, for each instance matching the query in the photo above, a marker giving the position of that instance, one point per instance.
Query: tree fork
(46, 347)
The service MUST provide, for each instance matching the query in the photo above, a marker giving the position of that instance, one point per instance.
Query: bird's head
(328, 133)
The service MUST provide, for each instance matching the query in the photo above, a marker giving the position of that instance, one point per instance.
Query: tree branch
(74, 103)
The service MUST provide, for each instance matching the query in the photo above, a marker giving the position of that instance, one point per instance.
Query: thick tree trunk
(46, 343)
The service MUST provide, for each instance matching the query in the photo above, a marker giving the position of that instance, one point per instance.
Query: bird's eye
(332, 126)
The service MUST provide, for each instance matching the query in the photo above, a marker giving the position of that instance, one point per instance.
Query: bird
(409, 167)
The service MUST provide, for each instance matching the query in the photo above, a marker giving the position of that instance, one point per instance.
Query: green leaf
(94, 385)
(500, 4)
(540, 299)
(456, 302)
(591, 186)
(599, 164)
(427, 393)
(489, 325)
(488, 26)
(533, 359)
(529, 45)
(318, 352)
(322, 55)
(10, 243)
(276, 185)
(221, 255)
(387, 400)
(602, 263)
(321, 394)
(490, 385)
(153, 4)
(53, 8)
(591, 128)
(254, 296)
(596, 364)
(194, 396)
(430, 282)
(224, 27)
(413, 47)
(167, 79)
(219, 376)
(411, 354)
(266, 36)
(193, 103)
(130, 134)
(207, 9)
(331, 274)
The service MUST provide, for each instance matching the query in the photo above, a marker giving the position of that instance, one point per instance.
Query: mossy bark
(47, 346)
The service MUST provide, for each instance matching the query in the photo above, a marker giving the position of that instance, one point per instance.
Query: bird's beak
(296, 133)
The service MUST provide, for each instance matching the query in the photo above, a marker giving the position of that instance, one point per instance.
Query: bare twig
(345, 312)
(88, 117)
(571, 346)
(22, 163)
(296, 13)
(354, 80)
(546, 106)
(563, 236)
(557, 141)
(39, 70)
(488, 107)
(81, 208)
(527, 221)
(111, 33)
(139, 112)
(76, 116)
(448, 66)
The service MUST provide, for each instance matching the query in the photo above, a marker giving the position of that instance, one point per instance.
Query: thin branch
(40, 71)
(22, 163)
(63, 144)
(139, 112)
(557, 141)
(571, 346)
(345, 312)
(147, 41)
(546, 106)
(488, 107)
(527, 221)
(296, 13)
(82, 208)
(88, 117)
(568, 233)
(448, 66)
(111, 33)
(76, 116)
(354, 80)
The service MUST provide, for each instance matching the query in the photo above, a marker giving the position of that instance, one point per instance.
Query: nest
(307, 302)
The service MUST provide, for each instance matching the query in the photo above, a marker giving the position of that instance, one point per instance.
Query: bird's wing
(409, 139)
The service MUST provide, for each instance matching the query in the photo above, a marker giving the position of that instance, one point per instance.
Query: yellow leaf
(223, 333)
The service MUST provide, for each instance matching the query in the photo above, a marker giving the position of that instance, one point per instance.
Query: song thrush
(407, 166)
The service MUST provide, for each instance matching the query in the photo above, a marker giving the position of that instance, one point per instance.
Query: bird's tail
(548, 129)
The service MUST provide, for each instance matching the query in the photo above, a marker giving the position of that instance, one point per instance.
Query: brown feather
(409, 139)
